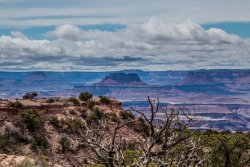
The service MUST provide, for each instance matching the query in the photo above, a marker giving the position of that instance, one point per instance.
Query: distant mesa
(135, 71)
(121, 79)
(36, 76)
(201, 77)
(198, 78)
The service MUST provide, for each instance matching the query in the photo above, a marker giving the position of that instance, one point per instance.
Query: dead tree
(190, 155)
(107, 143)
(165, 135)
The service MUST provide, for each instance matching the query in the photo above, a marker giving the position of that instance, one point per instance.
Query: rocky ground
(69, 117)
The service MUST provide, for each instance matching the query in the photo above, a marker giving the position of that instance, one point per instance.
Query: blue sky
(118, 34)
(241, 29)
(38, 32)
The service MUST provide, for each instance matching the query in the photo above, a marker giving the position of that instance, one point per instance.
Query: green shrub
(92, 119)
(90, 103)
(40, 142)
(65, 144)
(226, 148)
(16, 104)
(30, 95)
(3, 141)
(105, 99)
(131, 145)
(132, 156)
(50, 100)
(12, 131)
(95, 165)
(32, 120)
(95, 115)
(84, 113)
(142, 127)
(83, 110)
(72, 112)
(54, 121)
(74, 100)
(73, 125)
(43, 161)
(84, 96)
(26, 163)
(114, 117)
(126, 115)
(100, 114)
(152, 165)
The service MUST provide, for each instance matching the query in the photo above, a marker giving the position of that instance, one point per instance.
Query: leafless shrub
(108, 144)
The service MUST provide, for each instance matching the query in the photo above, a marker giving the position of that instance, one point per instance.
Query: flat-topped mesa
(216, 77)
(121, 79)
(198, 78)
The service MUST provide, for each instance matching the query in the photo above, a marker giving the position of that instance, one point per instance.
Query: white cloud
(67, 31)
(154, 45)
(153, 31)
(17, 34)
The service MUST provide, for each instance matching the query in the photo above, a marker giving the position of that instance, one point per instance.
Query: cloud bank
(154, 45)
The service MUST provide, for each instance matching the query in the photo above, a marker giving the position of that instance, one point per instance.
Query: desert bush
(97, 111)
(84, 96)
(40, 142)
(14, 132)
(132, 156)
(50, 100)
(72, 112)
(95, 165)
(43, 161)
(73, 125)
(126, 115)
(95, 115)
(11, 129)
(54, 121)
(65, 143)
(83, 113)
(83, 110)
(32, 120)
(74, 100)
(131, 145)
(114, 117)
(90, 103)
(30, 95)
(105, 99)
(4, 141)
(152, 165)
(91, 119)
(227, 149)
(26, 163)
(16, 104)
(142, 127)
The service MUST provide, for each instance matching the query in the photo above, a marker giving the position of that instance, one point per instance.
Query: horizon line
(89, 71)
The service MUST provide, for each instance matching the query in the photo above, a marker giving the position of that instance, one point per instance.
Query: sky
(108, 35)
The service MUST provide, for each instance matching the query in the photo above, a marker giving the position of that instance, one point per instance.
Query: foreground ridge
(87, 131)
